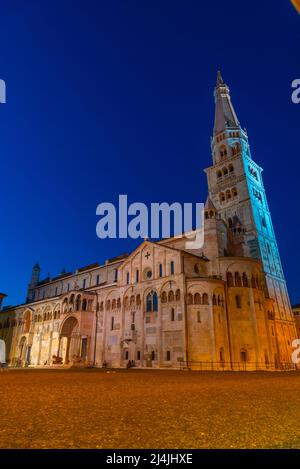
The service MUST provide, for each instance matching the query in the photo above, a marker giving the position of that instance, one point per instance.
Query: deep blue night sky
(108, 98)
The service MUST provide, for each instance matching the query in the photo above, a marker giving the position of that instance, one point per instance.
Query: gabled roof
(209, 204)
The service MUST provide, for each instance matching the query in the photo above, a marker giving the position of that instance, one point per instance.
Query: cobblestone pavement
(149, 409)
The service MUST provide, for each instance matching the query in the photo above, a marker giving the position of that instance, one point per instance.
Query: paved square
(149, 409)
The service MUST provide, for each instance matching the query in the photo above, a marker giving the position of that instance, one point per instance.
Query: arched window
(172, 314)
(230, 279)
(112, 324)
(238, 301)
(168, 356)
(222, 197)
(77, 305)
(137, 276)
(214, 300)
(108, 304)
(119, 303)
(84, 305)
(234, 192)
(155, 302)
(164, 297)
(223, 151)
(245, 280)
(219, 174)
(225, 171)
(205, 299)
(160, 268)
(243, 355)
(152, 355)
(151, 302)
(171, 296)
(228, 194)
(237, 279)
(138, 300)
(266, 358)
(197, 299)
(231, 168)
(127, 278)
(178, 295)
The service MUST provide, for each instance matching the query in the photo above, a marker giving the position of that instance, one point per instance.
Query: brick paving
(148, 409)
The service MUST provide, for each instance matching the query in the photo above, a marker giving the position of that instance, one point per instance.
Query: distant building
(2, 295)
(224, 306)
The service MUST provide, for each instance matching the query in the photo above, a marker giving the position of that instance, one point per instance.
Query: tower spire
(225, 115)
(219, 78)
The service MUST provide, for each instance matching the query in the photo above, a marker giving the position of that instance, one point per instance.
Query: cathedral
(224, 306)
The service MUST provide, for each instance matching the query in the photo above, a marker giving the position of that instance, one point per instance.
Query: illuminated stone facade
(222, 306)
(296, 312)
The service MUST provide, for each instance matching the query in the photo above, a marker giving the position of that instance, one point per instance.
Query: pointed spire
(219, 78)
(225, 115)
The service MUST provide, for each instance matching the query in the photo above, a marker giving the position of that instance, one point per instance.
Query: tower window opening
(238, 301)
(223, 151)
(243, 355)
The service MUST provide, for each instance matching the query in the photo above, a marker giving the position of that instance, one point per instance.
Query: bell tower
(35, 277)
(236, 188)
